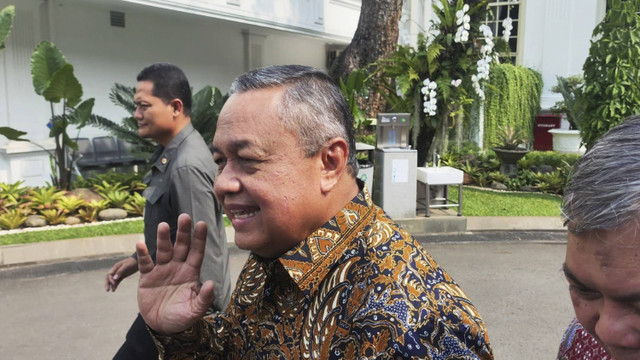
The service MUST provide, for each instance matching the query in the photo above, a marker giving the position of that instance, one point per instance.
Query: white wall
(210, 51)
(556, 39)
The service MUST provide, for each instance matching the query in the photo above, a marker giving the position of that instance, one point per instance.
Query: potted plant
(567, 140)
(510, 151)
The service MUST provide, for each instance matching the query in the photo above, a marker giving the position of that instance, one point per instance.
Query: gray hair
(312, 106)
(603, 192)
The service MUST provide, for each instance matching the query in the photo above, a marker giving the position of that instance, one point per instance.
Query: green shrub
(611, 72)
(555, 159)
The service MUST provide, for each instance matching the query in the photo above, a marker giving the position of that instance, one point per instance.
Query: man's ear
(334, 159)
(177, 105)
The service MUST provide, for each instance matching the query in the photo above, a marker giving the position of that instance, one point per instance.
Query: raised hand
(170, 297)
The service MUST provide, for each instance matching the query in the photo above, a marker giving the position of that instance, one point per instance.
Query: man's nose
(226, 182)
(617, 326)
(138, 114)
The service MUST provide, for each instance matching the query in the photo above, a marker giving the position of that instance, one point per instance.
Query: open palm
(170, 298)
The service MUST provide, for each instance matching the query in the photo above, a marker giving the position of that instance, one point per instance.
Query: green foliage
(611, 71)
(512, 99)
(369, 139)
(89, 212)
(12, 219)
(13, 192)
(116, 198)
(70, 204)
(552, 182)
(53, 216)
(53, 79)
(131, 181)
(498, 176)
(555, 159)
(205, 109)
(482, 168)
(570, 88)
(135, 204)
(511, 138)
(105, 188)
(356, 87)
(441, 60)
(44, 197)
(6, 22)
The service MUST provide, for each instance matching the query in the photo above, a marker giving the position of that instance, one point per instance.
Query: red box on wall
(542, 139)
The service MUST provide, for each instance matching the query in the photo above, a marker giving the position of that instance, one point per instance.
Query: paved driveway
(517, 286)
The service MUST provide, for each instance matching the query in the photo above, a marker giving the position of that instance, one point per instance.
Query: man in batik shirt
(330, 275)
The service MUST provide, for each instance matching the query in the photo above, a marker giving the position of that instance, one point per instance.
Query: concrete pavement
(54, 305)
(513, 278)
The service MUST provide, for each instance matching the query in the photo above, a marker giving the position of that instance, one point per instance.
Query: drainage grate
(117, 19)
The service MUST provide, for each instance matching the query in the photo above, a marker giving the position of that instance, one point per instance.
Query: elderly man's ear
(334, 163)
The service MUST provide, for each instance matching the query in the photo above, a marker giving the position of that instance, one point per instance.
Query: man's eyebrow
(627, 298)
(569, 275)
(234, 145)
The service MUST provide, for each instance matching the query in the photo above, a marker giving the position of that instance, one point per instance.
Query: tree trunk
(375, 38)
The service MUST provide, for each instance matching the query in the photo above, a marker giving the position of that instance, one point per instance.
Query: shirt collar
(163, 155)
(312, 259)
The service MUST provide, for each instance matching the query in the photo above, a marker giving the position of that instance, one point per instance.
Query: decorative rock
(527, 188)
(112, 214)
(498, 186)
(72, 220)
(35, 221)
(86, 194)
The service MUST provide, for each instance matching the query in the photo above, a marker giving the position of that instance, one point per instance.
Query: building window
(500, 10)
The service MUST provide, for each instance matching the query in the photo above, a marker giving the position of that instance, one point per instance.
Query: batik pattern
(578, 344)
(359, 287)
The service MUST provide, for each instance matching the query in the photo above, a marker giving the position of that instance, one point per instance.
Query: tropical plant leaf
(6, 22)
(64, 85)
(46, 59)
(12, 134)
(81, 115)
(122, 96)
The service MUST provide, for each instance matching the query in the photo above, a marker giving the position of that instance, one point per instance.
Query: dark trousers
(139, 344)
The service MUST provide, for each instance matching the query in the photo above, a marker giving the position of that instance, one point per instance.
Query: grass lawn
(485, 202)
(75, 232)
(475, 202)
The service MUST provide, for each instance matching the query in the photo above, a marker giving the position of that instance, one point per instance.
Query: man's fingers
(145, 264)
(205, 296)
(164, 249)
(183, 238)
(196, 255)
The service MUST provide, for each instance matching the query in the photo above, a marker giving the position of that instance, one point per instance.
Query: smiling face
(603, 270)
(270, 191)
(156, 119)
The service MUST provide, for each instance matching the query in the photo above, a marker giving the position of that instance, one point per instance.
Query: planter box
(566, 141)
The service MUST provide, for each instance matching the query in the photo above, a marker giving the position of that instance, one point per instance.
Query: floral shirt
(578, 344)
(358, 287)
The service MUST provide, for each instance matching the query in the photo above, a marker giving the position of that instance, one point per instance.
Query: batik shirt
(578, 344)
(359, 287)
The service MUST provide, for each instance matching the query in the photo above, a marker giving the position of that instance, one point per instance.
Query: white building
(213, 41)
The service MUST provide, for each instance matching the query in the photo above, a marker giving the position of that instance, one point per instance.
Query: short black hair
(169, 82)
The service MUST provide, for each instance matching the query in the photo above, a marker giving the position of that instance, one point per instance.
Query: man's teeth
(243, 214)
